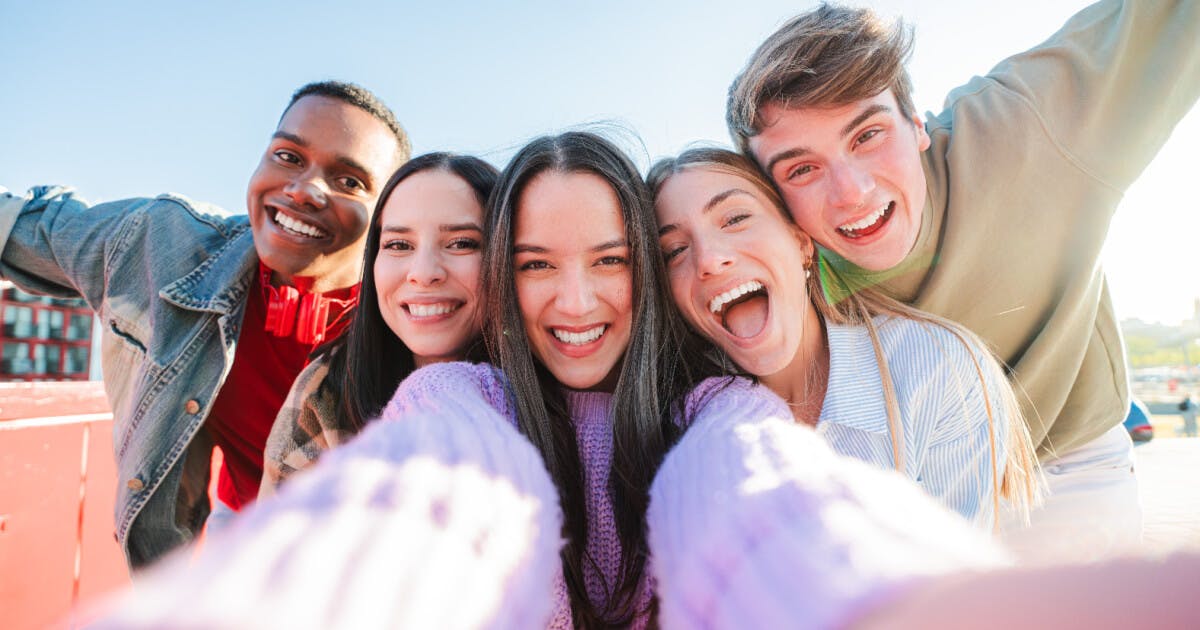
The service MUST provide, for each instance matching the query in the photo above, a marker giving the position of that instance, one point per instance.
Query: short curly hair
(361, 98)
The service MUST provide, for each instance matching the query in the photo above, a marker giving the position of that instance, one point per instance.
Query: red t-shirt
(264, 368)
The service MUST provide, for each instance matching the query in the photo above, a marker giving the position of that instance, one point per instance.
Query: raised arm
(438, 515)
(755, 522)
(1109, 87)
(57, 244)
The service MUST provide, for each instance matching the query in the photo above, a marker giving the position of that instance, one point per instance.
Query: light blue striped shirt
(944, 420)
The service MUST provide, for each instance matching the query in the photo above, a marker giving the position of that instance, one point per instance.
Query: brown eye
(867, 135)
(803, 169)
(287, 156)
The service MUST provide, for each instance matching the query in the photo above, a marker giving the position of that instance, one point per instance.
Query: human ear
(923, 140)
(806, 243)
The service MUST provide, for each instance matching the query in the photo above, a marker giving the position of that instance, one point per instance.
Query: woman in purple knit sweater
(543, 495)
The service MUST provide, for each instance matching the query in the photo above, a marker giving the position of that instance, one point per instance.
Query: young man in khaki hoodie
(992, 213)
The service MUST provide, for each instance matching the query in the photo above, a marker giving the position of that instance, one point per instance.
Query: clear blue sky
(135, 98)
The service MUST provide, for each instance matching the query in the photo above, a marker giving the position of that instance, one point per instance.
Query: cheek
(528, 301)
(467, 273)
(681, 294)
(387, 272)
(258, 184)
(353, 218)
(803, 207)
(620, 292)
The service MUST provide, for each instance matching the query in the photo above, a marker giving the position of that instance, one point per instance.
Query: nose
(712, 257)
(307, 189)
(850, 184)
(576, 294)
(426, 268)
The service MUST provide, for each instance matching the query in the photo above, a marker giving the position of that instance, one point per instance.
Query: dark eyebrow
(722, 196)
(537, 249)
(799, 151)
(784, 155)
(341, 159)
(609, 245)
(712, 203)
(445, 227)
(290, 137)
(459, 227)
(863, 115)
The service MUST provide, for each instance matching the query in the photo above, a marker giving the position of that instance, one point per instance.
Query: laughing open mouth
(296, 227)
(742, 310)
(868, 224)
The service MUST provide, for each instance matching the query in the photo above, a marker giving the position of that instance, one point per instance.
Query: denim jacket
(168, 279)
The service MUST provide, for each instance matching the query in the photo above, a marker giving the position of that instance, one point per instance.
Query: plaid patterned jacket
(308, 424)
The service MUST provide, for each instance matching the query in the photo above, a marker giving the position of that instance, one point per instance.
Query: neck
(315, 284)
(803, 382)
(420, 362)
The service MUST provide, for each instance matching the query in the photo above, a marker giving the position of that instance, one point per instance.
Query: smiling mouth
(422, 311)
(742, 311)
(296, 227)
(582, 338)
(869, 224)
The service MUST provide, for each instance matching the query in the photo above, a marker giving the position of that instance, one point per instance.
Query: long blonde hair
(837, 304)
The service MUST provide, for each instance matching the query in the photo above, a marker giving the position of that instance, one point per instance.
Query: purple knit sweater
(591, 414)
(442, 515)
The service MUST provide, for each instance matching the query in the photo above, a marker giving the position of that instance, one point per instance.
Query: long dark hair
(654, 375)
(373, 360)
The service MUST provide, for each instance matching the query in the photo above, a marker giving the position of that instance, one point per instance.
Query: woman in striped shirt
(879, 380)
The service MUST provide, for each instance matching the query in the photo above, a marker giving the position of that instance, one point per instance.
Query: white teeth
(297, 226)
(430, 310)
(719, 302)
(866, 221)
(579, 338)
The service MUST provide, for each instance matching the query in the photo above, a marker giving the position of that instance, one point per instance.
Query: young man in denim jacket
(992, 213)
(197, 344)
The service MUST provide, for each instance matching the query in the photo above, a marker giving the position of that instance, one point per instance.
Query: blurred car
(1138, 422)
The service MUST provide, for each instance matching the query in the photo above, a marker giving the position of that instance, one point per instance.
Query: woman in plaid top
(417, 306)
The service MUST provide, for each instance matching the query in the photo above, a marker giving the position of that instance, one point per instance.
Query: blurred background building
(44, 338)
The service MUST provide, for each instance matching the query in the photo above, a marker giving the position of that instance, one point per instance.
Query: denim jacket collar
(220, 283)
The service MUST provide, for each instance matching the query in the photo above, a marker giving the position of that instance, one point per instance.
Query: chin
(756, 364)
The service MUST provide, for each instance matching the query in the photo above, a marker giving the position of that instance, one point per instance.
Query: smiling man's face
(311, 197)
(851, 175)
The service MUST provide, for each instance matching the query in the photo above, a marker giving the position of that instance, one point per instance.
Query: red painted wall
(57, 488)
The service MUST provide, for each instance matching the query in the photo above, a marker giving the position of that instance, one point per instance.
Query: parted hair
(830, 56)
(375, 360)
(655, 373)
(1020, 482)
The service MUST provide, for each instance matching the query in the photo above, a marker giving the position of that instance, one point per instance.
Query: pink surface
(57, 487)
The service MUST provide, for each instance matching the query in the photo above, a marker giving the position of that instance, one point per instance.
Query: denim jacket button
(192, 407)
(135, 484)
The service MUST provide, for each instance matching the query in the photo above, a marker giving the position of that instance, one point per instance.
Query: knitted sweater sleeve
(439, 514)
(755, 522)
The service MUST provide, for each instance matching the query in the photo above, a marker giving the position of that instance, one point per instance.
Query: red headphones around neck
(296, 309)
